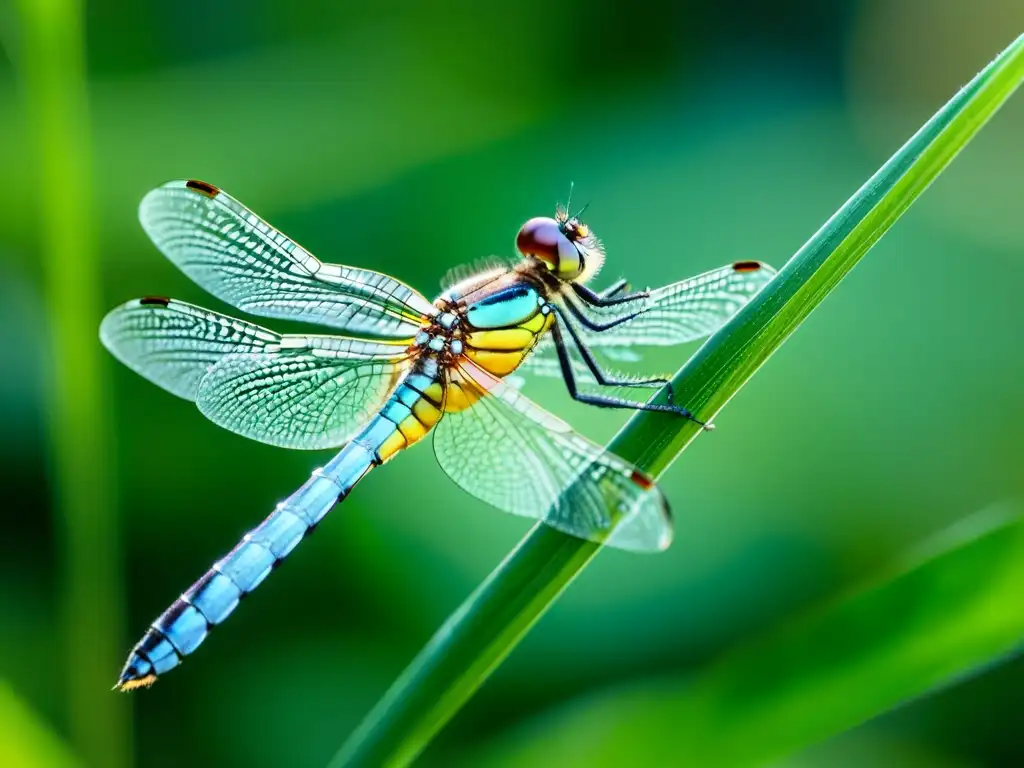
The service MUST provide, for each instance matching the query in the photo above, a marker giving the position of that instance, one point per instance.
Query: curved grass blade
(487, 626)
(50, 63)
(949, 610)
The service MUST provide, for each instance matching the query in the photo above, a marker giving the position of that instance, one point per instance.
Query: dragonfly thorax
(443, 336)
(446, 343)
(493, 319)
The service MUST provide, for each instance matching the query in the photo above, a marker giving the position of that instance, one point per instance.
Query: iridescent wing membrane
(673, 314)
(239, 258)
(516, 456)
(294, 391)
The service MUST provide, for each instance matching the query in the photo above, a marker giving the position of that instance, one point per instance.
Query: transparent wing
(543, 361)
(239, 258)
(689, 309)
(174, 344)
(672, 314)
(315, 392)
(295, 391)
(509, 452)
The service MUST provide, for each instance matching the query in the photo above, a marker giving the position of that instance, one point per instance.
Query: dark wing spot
(155, 301)
(747, 266)
(644, 481)
(203, 188)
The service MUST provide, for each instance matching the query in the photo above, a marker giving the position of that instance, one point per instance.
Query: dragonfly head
(564, 244)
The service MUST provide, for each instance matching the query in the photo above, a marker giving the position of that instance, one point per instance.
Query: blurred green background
(410, 138)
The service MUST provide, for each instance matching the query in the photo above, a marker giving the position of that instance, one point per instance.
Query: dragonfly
(405, 367)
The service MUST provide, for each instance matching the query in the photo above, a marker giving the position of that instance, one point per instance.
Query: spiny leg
(593, 324)
(606, 401)
(614, 289)
(602, 376)
(609, 297)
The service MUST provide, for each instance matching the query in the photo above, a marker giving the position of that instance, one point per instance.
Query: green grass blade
(26, 740)
(51, 64)
(947, 612)
(479, 635)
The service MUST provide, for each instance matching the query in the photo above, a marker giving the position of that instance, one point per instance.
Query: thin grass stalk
(51, 63)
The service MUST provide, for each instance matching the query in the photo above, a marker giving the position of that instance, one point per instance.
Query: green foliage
(946, 611)
(412, 138)
(52, 63)
(25, 740)
(478, 636)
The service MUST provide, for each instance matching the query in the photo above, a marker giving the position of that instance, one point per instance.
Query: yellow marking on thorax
(498, 363)
(538, 323)
(501, 351)
(507, 339)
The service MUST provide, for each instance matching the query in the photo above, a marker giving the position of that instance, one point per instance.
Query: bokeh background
(413, 137)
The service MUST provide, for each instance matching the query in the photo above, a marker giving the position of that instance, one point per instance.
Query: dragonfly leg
(614, 289)
(602, 376)
(593, 324)
(607, 401)
(610, 297)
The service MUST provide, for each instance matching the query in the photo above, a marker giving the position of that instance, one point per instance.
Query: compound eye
(542, 239)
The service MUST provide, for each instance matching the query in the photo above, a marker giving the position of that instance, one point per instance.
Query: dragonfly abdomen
(409, 414)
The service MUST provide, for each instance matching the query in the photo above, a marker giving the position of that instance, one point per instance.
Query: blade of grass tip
(485, 628)
(51, 62)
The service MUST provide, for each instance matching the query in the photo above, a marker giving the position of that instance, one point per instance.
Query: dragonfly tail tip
(128, 683)
(138, 672)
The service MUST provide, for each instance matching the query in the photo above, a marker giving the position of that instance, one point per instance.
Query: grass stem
(51, 64)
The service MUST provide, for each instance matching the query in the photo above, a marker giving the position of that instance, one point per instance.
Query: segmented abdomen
(412, 410)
